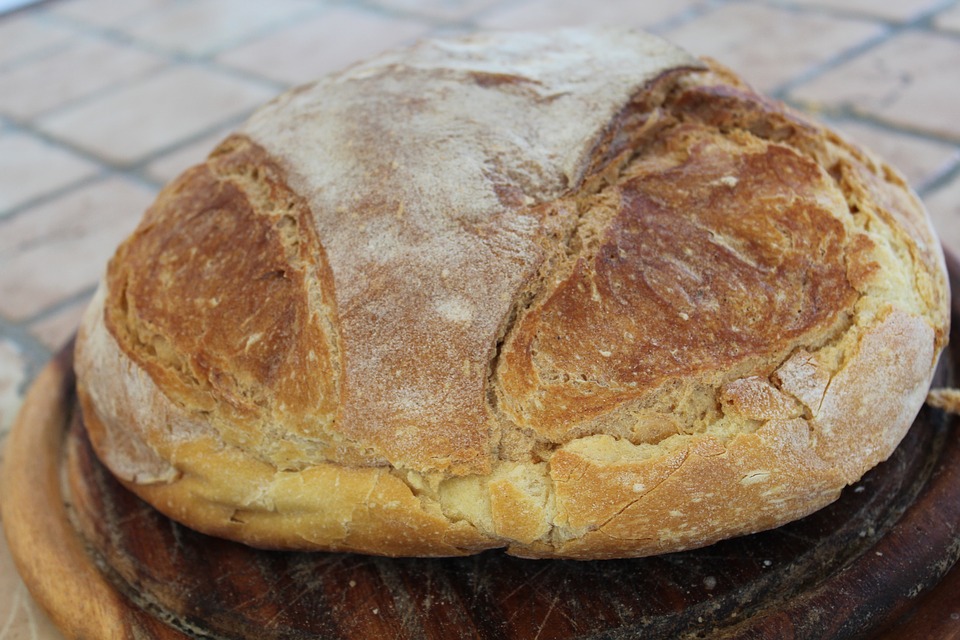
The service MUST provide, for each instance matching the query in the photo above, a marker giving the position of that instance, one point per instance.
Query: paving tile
(154, 113)
(105, 13)
(22, 616)
(944, 207)
(58, 250)
(30, 167)
(911, 81)
(169, 166)
(894, 10)
(769, 46)
(104, 204)
(56, 329)
(949, 20)
(206, 26)
(23, 35)
(13, 372)
(80, 69)
(537, 14)
(919, 159)
(325, 43)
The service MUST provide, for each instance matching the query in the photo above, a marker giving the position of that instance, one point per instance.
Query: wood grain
(865, 566)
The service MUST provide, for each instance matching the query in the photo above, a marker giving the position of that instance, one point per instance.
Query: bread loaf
(572, 294)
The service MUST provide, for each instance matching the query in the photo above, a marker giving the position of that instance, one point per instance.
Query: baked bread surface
(575, 294)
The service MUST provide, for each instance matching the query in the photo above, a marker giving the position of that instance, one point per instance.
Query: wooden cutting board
(876, 563)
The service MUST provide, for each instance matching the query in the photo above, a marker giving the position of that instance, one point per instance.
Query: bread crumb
(253, 339)
(945, 399)
(456, 309)
(709, 583)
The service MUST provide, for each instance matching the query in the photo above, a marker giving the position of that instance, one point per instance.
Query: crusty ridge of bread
(620, 393)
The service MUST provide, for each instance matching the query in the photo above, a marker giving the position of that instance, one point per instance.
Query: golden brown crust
(224, 296)
(651, 310)
(718, 255)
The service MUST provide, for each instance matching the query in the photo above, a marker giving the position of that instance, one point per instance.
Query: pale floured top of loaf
(420, 168)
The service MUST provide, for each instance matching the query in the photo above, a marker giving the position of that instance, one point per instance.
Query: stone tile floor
(102, 101)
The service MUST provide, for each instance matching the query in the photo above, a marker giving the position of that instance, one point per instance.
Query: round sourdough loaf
(575, 294)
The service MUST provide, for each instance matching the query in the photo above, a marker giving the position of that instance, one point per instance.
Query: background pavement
(103, 101)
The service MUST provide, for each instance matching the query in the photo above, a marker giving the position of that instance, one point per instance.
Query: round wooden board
(876, 563)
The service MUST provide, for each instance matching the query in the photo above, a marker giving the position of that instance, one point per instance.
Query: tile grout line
(838, 13)
(52, 194)
(813, 72)
(39, 54)
(136, 171)
(105, 168)
(844, 112)
(376, 8)
(90, 156)
(146, 75)
(890, 30)
(56, 307)
(171, 62)
(689, 15)
(922, 22)
(943, 178)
